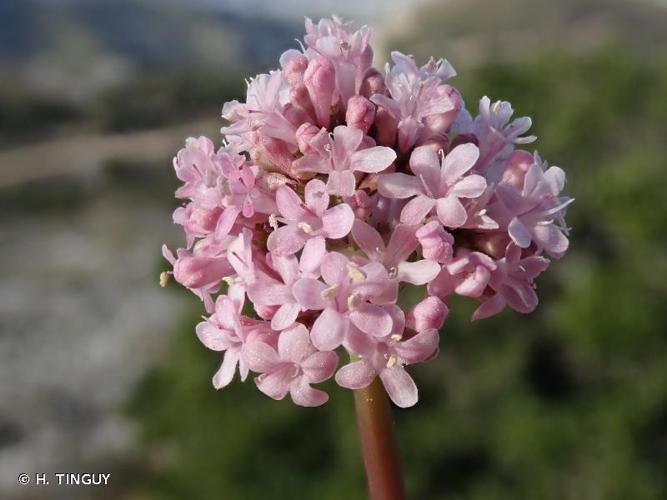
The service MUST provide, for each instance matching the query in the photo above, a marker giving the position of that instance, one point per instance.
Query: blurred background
(100, 370)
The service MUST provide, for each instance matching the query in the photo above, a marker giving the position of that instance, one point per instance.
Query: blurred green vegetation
(567, 403)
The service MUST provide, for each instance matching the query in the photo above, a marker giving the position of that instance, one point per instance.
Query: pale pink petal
(420, 347)
(419, 272)
(304, 395)
(425, 164)
(337, 221)
(319, 366)
(266, 292)
(294, 344)
(212, 337)
(329, 330)
(399, 185)
(226, 221)
(276, 384)
(285, 316)
(551, 239)
(458, 161)
(261, 357)
(368, 239)
(451, 212)
(371, 319)
(373, 159)
(400, 387)
(313, 252)
(519, 233)
(316, 196)
(489, 307)
(286, 240)
(356, 375)
(334, 268)
(470, 186)
(402, 243)
(289, 204)
(341, 183)
(227, 370)
(417, 209)
(308, 292)
(475, 283)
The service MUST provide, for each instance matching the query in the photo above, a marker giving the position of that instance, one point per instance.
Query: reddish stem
(376, 432)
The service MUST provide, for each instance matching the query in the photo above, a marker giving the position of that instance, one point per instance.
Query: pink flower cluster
(340, 187)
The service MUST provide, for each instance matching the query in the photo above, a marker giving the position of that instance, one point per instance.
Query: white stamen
(393, 360)
(330, 292)
(355, 273)
(305, 227)
(353, 301)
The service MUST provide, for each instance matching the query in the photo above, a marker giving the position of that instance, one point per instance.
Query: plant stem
(378, 445)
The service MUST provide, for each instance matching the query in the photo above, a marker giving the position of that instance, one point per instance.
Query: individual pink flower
(536, 213)
(305, 220)
(201, 273)
(468, 275)
(227, 330)
(512, 283)
(387, 358)
(350, 293)
(343, 155)
(430, 313)
(436, 185)
(394, 255)
(418, 97)
(436, 243)
(347, 49)
(292, 367)
(268, 291)
(495, 134)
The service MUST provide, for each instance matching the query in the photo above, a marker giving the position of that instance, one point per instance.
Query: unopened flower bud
(360, 113)
(436, 243)
(320, 80)
(440, 123)
(515, 170)
(294, 69)
(386, 127)
(373, 84)
(429, 313)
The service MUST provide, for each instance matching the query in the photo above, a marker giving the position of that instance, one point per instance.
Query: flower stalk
(378, 443)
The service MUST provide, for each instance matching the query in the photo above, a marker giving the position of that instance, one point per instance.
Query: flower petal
(319, 366)
(419, 272)
(289, 204)
(329, 330)
(337, 221)
(341, 183)
(471, 186)
(373, 159)
(308, 293)
(416, 209)
(260, 356)
(399, 185)
(372, 319)
(304, 395)
(286, 240)
(316, 196)
(356, 375)
(285, 316)
(458, 161)
(368, 239)
(400, 387)
(294, 344)
(451, 212)
(519, 233)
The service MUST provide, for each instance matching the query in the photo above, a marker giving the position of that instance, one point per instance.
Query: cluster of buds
(340, 187)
